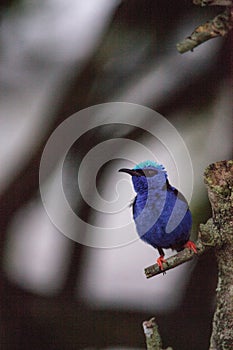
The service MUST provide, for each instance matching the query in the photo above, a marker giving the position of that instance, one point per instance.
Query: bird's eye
(150, 172)
(139, 172)
(146, 172)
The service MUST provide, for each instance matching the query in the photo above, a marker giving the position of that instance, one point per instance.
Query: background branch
(153, 339)
(213, 2)
(218, 26)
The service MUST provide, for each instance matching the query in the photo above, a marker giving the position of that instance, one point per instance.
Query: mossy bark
(219, 181)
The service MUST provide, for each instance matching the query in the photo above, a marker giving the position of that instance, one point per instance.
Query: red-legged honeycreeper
(160, 211)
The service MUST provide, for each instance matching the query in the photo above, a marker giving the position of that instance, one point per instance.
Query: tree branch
(153, 339)
(175, 260)
(219, 180)
(218, 26)
(213, 2)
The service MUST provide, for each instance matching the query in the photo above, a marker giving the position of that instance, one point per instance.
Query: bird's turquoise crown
(148, 164)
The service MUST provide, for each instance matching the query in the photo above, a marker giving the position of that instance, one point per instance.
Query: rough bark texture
(219, 180)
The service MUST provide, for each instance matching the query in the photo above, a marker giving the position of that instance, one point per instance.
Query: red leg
(192, 246)
(160, 261)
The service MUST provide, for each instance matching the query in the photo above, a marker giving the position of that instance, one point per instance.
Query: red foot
(192, 246)
(160, 261)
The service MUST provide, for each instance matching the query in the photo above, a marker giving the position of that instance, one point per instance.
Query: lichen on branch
(216, 27)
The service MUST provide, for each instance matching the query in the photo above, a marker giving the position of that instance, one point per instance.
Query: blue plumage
(160, 211)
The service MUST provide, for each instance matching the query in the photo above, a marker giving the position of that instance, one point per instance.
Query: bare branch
(153, 339)
(213, 2)
(175, 260)
(218, 26)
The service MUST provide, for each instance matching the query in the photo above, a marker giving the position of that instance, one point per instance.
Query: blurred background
(57, 58)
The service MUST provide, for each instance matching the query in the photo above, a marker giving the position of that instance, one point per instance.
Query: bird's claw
(160, 262)
(192, 246)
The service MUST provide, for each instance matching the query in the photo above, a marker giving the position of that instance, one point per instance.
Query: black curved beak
(131, 172)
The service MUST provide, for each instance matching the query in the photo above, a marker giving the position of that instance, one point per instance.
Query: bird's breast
(161, 218)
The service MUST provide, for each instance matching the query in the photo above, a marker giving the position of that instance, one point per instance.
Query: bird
(160, 212)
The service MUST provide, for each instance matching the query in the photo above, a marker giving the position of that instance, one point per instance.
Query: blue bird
(160, 211)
